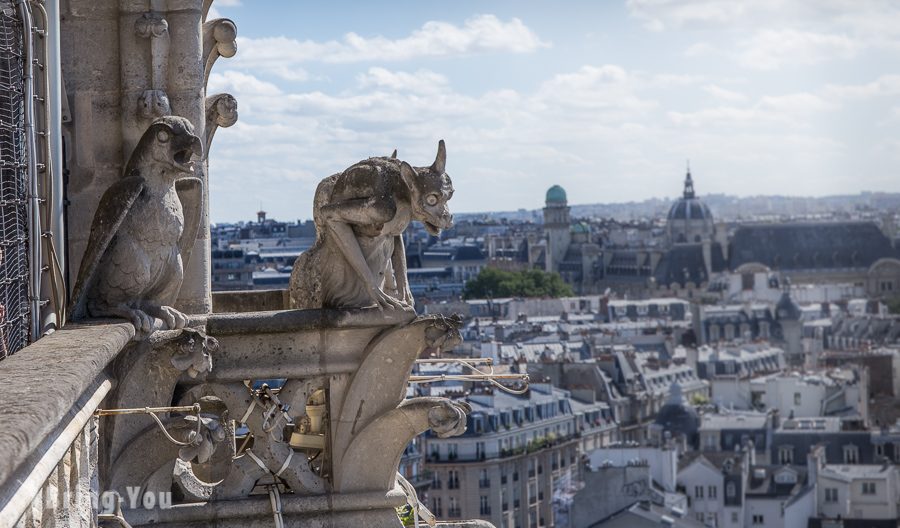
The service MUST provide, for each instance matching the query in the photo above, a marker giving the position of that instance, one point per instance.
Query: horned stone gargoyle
(358, 259)
(142, 232)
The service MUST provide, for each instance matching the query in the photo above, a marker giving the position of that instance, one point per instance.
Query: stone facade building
(518, 454)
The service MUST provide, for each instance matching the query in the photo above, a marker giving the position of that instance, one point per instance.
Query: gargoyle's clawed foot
(385, 301)
(143, 322)
(172, 318)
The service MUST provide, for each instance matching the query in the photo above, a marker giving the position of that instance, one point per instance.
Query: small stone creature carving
(142, 232)
(448, 418)
(358, 259)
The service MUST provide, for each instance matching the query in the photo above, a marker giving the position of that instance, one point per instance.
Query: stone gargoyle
(143, 231)
(358, 259)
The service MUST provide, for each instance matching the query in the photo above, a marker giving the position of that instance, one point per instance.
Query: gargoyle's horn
(394, 155)
(440, 162)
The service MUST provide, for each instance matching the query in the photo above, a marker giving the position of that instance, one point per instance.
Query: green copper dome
(556, 194)
(580, 227)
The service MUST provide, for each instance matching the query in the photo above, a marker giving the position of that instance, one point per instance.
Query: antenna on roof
(688, 183)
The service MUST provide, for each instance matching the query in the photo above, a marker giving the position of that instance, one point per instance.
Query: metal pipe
(52, 314)
(475, 377)
(146, 410)
(474, 361)
(34, 222)
(56, 205)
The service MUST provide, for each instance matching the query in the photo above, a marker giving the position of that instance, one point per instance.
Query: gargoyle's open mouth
(182, 159)
(183, 156)
(433, 230)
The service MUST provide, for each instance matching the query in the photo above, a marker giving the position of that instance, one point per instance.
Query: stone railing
(302, 418)
(48, 434)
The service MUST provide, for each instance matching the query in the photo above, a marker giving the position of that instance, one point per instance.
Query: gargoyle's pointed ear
(440, 162)
(394, 155)
(408, 174)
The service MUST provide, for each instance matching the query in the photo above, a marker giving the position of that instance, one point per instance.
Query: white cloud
(422, 81)
(724, 94)
(658, 15)
(798, 32)
(595, 92)
(479, 34)
(238, 82)
(886, 85)
(796, 110)
(769, 49)
(858, 16)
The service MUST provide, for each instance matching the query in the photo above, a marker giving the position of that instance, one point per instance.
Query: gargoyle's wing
(190, 193)
(113, 208)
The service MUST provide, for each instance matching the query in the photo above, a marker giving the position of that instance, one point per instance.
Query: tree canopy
(493, 282)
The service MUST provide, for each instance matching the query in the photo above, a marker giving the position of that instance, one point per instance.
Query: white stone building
(858, 491)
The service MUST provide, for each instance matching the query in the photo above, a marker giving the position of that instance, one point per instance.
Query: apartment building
(519, 453)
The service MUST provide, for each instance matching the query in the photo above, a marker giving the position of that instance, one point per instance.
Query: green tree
(894, 305)
(492, 282)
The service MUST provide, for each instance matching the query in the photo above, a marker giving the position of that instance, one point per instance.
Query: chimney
(707, 257)
(814, 462)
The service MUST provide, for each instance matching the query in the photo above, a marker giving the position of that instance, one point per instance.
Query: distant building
(683, 265)
(517, 454)
(620, 476)
(232, 269)
(715, 485)
(844, 441)
(689, 220)
(843, 252)
(857, 492)
(812, 394)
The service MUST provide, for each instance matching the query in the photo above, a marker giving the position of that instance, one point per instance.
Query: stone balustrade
(320, 447)
(48, 435)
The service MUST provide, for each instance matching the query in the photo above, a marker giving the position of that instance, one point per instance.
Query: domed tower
(789, 317)
(556, 227)
(677, 418)
(689, 220)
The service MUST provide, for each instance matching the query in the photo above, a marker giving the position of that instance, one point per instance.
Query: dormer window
(851, 454)
(786, 454)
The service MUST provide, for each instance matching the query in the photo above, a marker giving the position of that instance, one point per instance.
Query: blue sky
(607, 99)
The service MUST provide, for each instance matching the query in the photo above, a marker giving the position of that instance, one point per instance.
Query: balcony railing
(47, 425)
(53, 443)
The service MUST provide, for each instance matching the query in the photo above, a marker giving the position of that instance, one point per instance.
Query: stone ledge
(249, 300)
(281, 321)
(260, 508)
(41, 384)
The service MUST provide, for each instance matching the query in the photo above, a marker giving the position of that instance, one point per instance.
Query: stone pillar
(187, 94)
(151, 65)
(92, 136)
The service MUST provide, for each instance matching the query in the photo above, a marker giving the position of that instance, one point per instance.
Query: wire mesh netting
(14, 307)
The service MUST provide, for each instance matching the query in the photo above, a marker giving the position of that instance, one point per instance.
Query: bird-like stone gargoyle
(143, 231)
(358, 259)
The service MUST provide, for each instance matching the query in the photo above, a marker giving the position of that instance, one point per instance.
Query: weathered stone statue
(142, 232)
(358, 259)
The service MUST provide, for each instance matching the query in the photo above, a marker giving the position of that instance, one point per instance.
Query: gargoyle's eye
(431, 200)
(162, 136)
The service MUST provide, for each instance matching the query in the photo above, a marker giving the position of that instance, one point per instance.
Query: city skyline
(607, 101)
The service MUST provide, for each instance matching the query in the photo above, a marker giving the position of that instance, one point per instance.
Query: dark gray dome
(787, 309)
(689, 209)
(677, 417)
